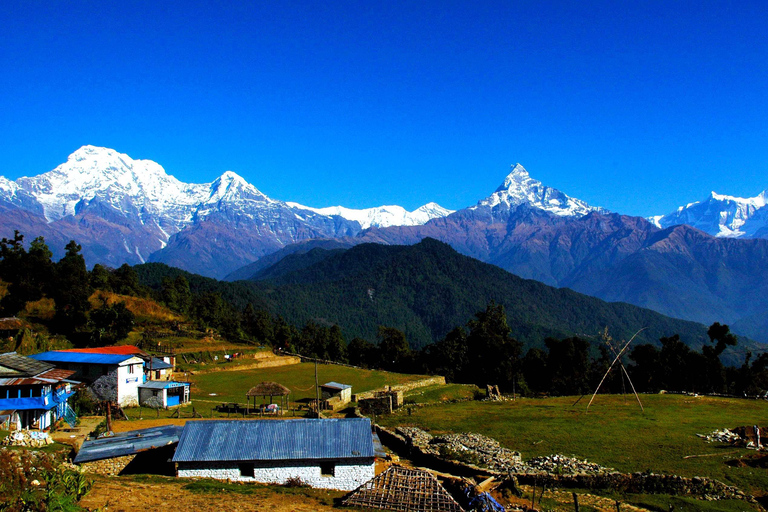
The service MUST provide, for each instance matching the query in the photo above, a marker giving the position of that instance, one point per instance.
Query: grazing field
(615, 433)
(211, 389)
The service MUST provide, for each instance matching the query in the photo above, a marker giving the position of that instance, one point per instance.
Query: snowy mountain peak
(519, 188)
(517, 178)
(722, 215)
(383, 216)
(231, 187)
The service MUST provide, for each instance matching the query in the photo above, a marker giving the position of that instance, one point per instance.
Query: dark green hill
(428, 289)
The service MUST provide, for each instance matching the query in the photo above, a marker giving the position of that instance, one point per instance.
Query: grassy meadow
(210, 389)
(614, 433)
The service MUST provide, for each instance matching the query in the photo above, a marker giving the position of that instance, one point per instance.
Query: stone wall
(420, 447)
(347, 477)
(108, 467)
(431, 381)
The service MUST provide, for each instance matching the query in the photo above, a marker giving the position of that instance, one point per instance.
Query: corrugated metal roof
(22, 366)
(163, 384)
(240, 440)
(57, 356)
(157, 364)
(336, 385)
(127, 443)
(121, 349)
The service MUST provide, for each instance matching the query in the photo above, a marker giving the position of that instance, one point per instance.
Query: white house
(169, 392)
(332, 453)
(114, 377)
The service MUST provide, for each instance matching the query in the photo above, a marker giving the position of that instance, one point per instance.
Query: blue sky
(638, 108)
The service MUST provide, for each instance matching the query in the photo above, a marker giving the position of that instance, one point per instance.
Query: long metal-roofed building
(332, 453)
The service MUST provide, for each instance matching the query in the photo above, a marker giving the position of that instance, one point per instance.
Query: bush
(37, 481)
(295, 481)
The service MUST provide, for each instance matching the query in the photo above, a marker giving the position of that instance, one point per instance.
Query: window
(246, 470)
(327, 469)
(131, 368)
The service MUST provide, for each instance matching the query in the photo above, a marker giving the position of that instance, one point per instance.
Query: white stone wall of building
(128, 382)
(347, 477)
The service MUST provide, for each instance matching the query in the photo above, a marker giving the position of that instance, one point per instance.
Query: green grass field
(210, 389)
(615, 433)
(299, 378)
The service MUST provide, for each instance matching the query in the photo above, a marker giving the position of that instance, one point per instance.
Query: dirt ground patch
(118, 494)
(124, 426)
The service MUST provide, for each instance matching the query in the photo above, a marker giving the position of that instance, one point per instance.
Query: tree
(100, 278)
(394, 351)
(111, 323)
(362, 352)
(493, 355)
(29, 274)
(568, 365)
(71, 290)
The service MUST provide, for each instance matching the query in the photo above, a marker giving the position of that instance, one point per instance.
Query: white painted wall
(130, 375)
(348, 477)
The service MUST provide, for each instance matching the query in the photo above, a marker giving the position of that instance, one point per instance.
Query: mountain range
(425, 290)
(705, 262)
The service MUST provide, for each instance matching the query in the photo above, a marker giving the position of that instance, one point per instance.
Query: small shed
(343, 391)
(267, 389)
(170, 392)
(335, 453)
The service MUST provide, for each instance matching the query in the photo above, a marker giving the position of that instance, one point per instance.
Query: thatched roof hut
(268, 389)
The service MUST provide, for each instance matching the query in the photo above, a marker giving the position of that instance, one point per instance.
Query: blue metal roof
(336, 385)
(157, 364)
(251, 440)
(127, 443)
(163, 384)
(80, 357)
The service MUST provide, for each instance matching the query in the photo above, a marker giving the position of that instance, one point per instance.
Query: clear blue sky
(635, 106)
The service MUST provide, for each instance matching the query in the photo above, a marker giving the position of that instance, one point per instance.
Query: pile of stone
(722, 436)
(562, 465)
(28, 438)
(748, 437)
(415, 436)
(481, 450)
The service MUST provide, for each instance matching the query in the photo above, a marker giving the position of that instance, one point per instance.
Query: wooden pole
(627, 375)
(613, 363)
(317, 392)
(575, 502)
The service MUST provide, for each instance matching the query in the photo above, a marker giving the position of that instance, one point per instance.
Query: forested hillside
(425, 290)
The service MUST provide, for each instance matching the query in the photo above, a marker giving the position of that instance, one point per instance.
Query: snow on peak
(519, 188)
(721, 215)
(383, 216)
(231, 187)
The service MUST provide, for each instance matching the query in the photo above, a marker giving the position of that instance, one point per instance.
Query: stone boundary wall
(265, 362)
(651, 483)
(430, 381)
(108, 467)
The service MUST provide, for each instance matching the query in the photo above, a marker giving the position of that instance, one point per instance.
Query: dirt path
(118, 494)
(75, 436)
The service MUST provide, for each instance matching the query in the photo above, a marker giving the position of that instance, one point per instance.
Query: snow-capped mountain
(383, 216)
(131, 211)
(519, 188)
(722, 216)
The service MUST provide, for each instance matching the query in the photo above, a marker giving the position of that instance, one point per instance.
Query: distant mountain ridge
(425, 290)
(722, 216)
